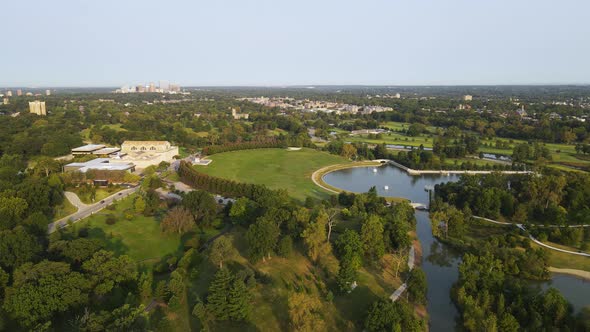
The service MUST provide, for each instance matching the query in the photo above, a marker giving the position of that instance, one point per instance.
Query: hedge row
(270, 143)
(224, 187)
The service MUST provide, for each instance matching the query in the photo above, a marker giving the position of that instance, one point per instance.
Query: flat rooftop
(88, 148)
(102, 164)
(106, 151)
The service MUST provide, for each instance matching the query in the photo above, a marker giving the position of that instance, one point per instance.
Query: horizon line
(299, 85)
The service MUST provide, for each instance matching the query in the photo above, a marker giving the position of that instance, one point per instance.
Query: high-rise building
(48, 92)
(37, 107)
(8, 93)
(165, 86)
(5, 101)
(174, 88)
(140, 88)
(19, 92)
(152, 87)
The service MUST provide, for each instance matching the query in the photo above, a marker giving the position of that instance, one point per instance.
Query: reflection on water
(440, 261)
(440, 254)
(575, 290)
(399, 183)
(440, 265)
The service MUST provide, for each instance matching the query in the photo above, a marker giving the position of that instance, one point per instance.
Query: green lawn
(564, 260)
(276, 168)
(394, 138)
(564, 156)
(101, 193)
(139, 238)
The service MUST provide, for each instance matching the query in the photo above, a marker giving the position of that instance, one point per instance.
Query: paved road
(87, 210)
(75, 200)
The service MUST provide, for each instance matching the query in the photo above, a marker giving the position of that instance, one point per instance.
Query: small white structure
(200, 162)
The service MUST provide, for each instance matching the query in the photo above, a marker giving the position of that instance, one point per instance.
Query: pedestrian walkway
(521, 226)
(411, 262)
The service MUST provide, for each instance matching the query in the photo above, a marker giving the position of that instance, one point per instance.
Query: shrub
(111, 219)
(83, 232)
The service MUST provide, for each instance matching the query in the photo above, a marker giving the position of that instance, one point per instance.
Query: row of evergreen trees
(261, 144)
(224, 187)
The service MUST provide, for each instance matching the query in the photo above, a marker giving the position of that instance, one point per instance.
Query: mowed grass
(101, 193)
(140, 238)
(564, 260)
(275, 168)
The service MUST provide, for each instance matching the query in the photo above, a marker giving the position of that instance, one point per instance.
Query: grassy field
(564, 156)
(101, 193)
(139, 238)
(563, 260)
(275, 168)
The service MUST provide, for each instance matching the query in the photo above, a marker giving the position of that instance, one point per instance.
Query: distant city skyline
(271, 43)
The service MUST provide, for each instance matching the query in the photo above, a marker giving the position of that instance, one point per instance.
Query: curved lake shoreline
(439, 261)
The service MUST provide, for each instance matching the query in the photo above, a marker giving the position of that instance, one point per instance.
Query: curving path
(75, 200)
(85, 210)
(316, 176)
(521, 226)
(398, 292)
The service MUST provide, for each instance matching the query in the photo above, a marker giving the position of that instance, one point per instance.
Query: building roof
(102, 164)
(88, 148)
(146, 143)
(106, 151)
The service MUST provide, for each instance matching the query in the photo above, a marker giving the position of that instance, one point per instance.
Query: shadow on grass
(112, 243)
(355, 305)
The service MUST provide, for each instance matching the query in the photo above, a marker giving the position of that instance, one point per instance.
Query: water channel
(439, 261)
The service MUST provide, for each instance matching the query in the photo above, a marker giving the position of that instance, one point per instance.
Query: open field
(140, 238)
(275, 168)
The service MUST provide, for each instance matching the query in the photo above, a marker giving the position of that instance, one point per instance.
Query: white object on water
(386, 187)
(374, 170)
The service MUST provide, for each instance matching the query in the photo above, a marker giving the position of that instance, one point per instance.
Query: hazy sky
(278, 42)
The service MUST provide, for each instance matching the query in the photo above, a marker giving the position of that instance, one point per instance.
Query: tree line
(260, 144)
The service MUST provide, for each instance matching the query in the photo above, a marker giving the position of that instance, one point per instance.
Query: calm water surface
(439, 261)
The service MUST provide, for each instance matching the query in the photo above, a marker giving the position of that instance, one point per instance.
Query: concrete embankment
(421, 172)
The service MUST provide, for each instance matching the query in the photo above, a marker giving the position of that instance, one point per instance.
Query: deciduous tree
(178, 220)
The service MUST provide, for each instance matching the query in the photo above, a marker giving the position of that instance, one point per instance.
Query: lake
(439, 260)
